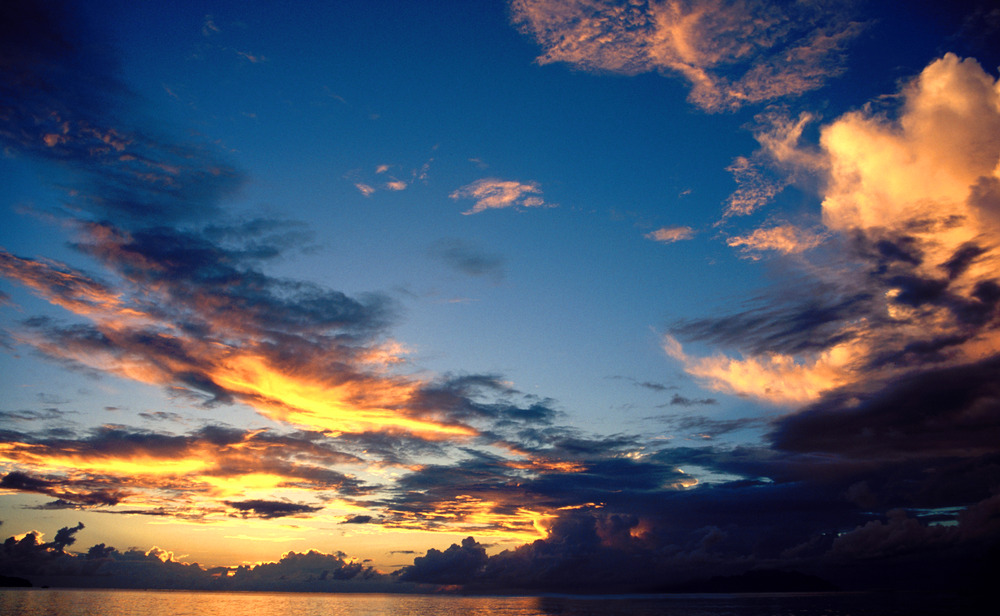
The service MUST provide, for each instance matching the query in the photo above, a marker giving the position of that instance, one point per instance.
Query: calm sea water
(59, 602)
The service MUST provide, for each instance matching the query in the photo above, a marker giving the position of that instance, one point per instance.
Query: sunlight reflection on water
(60, 602)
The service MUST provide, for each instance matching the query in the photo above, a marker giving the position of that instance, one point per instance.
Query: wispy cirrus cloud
(784, 239)
(384, 180)
(493, 193)
(468, 258)
(669, 235)
(731, 53)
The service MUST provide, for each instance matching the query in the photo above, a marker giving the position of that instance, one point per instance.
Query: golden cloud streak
(470, 514)
(42, 459)
(350, 407)
(774, 377)
(360, 402)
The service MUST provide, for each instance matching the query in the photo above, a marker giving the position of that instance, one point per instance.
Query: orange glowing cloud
(197, 477)
(669, 235)
(471, 514)
(922, 168)
(770, 53)
(915, 190)
(337, 400)
(348, 407)
(60, 285)
(492, 193)
(774, 377)
(786, 239)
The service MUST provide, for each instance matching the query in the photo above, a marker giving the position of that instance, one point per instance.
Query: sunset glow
(441, 297)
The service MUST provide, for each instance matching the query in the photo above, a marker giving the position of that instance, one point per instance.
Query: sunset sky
(680, 287)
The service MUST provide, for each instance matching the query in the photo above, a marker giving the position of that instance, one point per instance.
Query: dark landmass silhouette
(14, 582)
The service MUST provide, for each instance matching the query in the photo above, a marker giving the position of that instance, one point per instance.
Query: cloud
(943, 411)
(104, 566)
(755, 188)
(492, 193)
(679, 400)
(182, 300)
(468, 259)
(208, 27)
(209, 474)
(705, 427)
(772, 377)
(784, 239)
(269, 510)
(780, 162)
(888, 350)
(68, 493)
(456, 565)
(32, 415)
(912, 282)
(731, 53)
(669, 235)
(364, 189)
(916, 175)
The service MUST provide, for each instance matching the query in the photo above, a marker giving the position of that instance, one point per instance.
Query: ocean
(65, 602)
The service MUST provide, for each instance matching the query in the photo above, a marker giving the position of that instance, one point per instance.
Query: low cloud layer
(104, 566)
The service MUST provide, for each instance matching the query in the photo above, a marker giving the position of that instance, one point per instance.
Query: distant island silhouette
(14, 582)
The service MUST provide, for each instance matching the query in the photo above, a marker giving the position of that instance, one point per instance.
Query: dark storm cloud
(269, 510)
(655, 386)
(680, 537)
(162, 416)
(679, 400)
(394, 449)
(222, 280)
(803, 316)
(700, 425)
(952, 411)
(32, 414)
(456, 565)
(927, 439)
(645, 384)
(70, 493)
(472, 397)
(467, 258)
(564, 443)
(488, 489)
(962, 259)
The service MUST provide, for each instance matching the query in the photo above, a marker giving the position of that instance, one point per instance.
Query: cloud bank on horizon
(872, 361)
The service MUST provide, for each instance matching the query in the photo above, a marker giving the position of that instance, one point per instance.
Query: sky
(546, 294)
